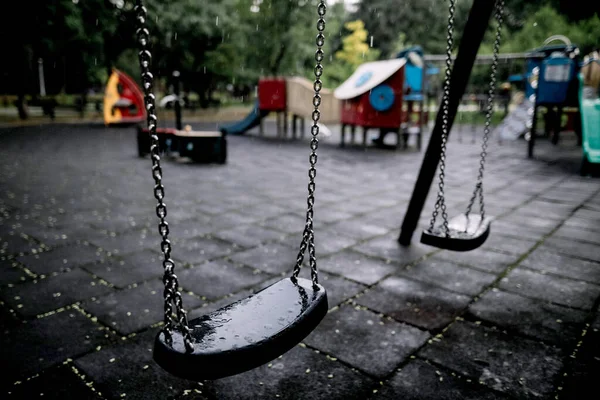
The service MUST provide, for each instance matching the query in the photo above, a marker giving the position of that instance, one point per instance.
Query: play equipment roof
(367, 76)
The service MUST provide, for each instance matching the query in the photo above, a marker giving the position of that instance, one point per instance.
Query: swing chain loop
(171, 291)
(440, 204)
(498, 15)
(308, 237)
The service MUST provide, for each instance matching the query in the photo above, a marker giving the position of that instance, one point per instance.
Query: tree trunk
(21, 106)
(20, 103)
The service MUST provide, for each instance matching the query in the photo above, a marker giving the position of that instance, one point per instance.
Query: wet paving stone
(338, 289)
(486, 260)
(61, 259)
(128, 371)
(520, 368)
(384, 343)
(264, 184)
(508, 245)
(567, 232)
(528, 223)
(12, 272)
(14, 244)
(7, 318)
(358, 229)
(249, 235)
(272, 258)
(261, 212)
(126, 222)
(55, 237)
(287, 223)
(582, 379)
(134, 309)
(538, 319)
(331, 214)
(127, 242)
(535, 216)
(231, 220)
(218, 279)
(189, 228)
(557, 290)
(389, 219)
(417, 303)
(583, 224)
(129, 269)
(198, 250)
(357, 267)
(449, 276)
(387, 247)
(421, 380)
(40, 296)
(56, 383)
(300, 373)
(559, 264)
(330, 242)
(590, 215)
(587, 251)
(47, 341)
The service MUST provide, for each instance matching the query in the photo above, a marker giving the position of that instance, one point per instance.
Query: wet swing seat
(464, 233)
(245, 334)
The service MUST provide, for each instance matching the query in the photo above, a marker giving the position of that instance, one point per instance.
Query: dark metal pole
(472, 37)
(177, 105)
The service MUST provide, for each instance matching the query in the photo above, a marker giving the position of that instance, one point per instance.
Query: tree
(422, 21)
(355, 50)
(545, 22)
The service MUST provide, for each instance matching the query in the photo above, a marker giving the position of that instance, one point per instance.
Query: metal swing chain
(489, 112)
(440, 204)
(171, 291)
(308, 237)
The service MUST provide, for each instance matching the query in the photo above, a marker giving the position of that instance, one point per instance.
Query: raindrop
(217, 21)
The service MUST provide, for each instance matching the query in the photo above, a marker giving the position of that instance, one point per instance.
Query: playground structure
(200, 146)
(386, 95)
(285, 96)
(589, 79)
(551, 81)
(123, 100)
(557, 81)
(383, 95)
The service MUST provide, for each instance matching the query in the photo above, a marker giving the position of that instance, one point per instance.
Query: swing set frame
(473, 34)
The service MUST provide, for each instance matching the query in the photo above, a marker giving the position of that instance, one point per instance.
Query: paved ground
(80, 280)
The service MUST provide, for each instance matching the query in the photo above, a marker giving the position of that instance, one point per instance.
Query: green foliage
(545, 22)
(422, 22)
(354, 51)
(219, 43)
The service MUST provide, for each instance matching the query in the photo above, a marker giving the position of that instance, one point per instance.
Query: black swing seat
(245, 334)
(464, 233)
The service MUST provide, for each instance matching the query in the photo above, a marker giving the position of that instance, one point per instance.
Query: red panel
(358, 111)
(131, 91)
(271, 94)
(349, 111)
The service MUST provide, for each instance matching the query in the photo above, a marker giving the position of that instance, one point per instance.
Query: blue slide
(251, 120)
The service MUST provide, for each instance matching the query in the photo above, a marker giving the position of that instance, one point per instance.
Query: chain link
(308, 237)
(171, 291)
(440, 204)
(498, 14)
